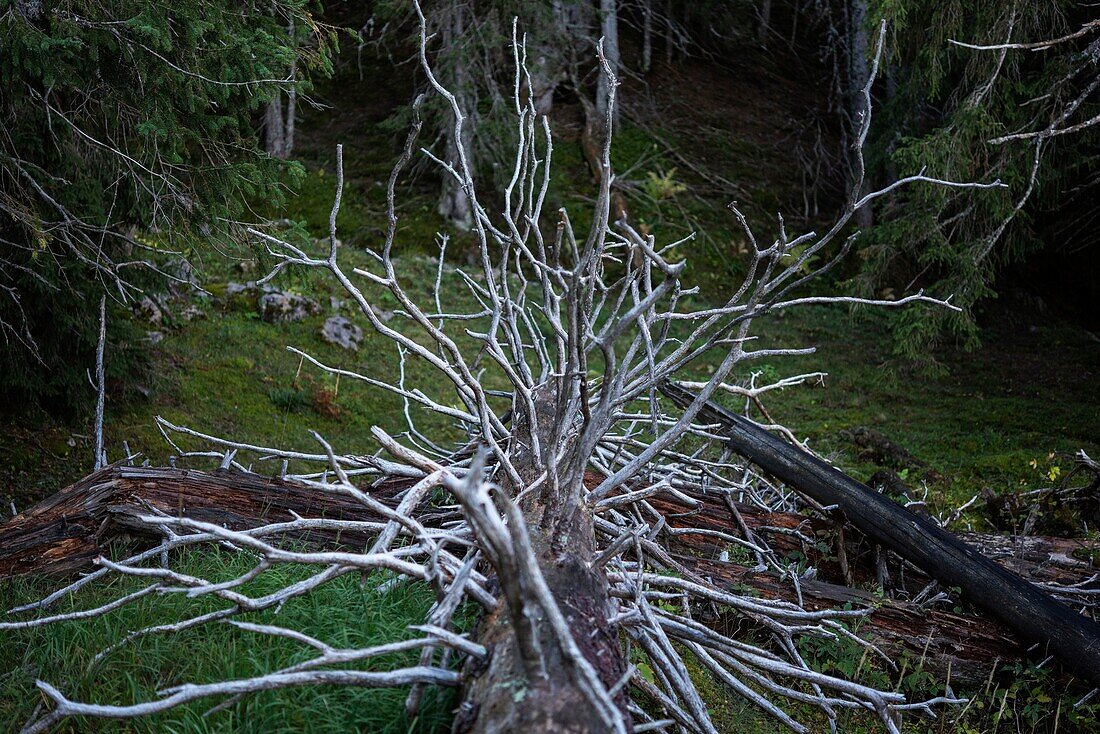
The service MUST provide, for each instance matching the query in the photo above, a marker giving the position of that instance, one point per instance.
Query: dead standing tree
(553, 533)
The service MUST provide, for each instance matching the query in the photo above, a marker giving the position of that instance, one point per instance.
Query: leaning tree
(546, 515)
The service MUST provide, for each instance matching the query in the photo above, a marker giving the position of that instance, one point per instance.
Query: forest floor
(1027, 393)
(1002, 418)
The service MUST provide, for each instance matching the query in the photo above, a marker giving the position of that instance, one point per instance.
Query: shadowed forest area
(631, 365)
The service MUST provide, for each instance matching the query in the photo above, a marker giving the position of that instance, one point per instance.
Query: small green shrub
(290, 399)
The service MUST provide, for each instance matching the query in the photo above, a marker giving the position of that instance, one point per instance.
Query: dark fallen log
(1005, 596)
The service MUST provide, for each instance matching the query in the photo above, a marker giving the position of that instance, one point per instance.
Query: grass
(343, 613)
(1019, 698)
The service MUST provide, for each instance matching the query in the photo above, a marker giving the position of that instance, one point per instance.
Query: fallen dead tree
(576, 580)
(66, 533)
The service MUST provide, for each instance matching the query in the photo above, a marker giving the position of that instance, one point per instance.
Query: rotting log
(1038, 558)
(1005, 596)
(65, 533)
(959, 646)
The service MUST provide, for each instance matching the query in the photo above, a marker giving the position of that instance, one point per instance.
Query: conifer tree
(127, 129)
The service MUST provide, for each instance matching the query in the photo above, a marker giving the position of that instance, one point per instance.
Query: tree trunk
(550, 57)
(859, 72)
(609, 31)
(274, 129)
(291, 113)
(765, 27)
(500, 696)
(669, 32)
(647, 35)
(1021, 606)
(454, 204)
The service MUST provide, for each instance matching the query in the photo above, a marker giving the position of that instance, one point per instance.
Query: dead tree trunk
(511, 692)
(454, 203)
(64, 534)
(1021, 606)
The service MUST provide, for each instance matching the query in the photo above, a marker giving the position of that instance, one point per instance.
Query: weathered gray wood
(68, 531)
(498, 697)
(1020, 605)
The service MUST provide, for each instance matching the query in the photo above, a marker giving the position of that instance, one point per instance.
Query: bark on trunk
(670, 41)
(765, 27)
(859, 71)
(499, 697)
(1020, 605)
(454, 204)
(291, 113)
(961, 646)
(609, 31)
(274, 130)
(550, 57)
(65, 533)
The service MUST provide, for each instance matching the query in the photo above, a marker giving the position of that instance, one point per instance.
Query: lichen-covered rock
(338, 330)
(149, 310)
(192, 312)
(281, 306)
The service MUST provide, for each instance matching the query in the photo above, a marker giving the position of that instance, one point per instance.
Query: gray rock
(338, 330)
(279, 306)
(155, 337)
(192, 312)
(148, 309)
(184, 280)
